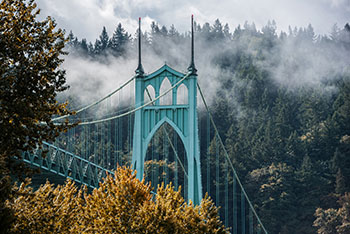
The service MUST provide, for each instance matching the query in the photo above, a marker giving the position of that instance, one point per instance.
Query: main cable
(97, 102)
(138, 108)
(229, 160)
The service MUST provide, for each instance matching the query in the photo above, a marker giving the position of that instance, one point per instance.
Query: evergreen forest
(281, 102)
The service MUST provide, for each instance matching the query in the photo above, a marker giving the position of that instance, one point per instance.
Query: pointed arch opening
(166, 159)
(182, 95)
(149, 94)
(167, 99)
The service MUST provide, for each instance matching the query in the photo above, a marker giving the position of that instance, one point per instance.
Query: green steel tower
(181, 117)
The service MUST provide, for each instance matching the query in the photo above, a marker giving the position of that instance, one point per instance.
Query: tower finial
(192, 67)
(139, 71)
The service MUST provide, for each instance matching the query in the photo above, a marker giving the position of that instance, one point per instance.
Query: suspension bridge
(159, 137)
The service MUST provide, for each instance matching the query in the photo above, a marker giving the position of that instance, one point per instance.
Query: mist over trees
(281, 102)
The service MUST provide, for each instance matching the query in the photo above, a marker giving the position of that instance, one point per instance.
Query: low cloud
(86, 18)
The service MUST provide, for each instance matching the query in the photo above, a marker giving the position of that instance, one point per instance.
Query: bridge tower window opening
(182, 95)
(149, 94)
(167, 98)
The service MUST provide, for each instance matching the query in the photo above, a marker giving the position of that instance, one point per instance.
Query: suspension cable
(229, 160)
(97, 102)
(138, 108)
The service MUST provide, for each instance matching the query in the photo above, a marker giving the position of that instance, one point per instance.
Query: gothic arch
(149, 91)
(155, 129)
(182, 95)
(165, 86)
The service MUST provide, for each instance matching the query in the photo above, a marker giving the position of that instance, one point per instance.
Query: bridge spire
(192, 67)
(139, 71)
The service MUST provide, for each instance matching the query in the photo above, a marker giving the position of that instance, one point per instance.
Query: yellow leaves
(345, 139)
(308, 137)
(122, 204)
(334, 220)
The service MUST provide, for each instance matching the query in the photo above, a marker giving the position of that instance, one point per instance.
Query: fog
(86, 18)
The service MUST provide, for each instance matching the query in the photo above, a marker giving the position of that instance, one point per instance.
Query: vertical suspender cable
(109, 140)
(217, 172)
(176, 176)
(231, 164)
(89, 141)
(131, 124)
(234, 206)
(164, 158)
(120, 140)
(129, 107)
(102, 145)
(208, 154)
(242, 212)
(73, 141)
(226, 194)
(167, 159)
(115, 153)
(153, 165)
(251, 224)
(156, 155)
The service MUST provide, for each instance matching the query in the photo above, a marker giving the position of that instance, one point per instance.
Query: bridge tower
(181, 117)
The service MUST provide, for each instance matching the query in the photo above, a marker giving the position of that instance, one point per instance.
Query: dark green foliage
(101, 44)
(284, 121)
(119, 41)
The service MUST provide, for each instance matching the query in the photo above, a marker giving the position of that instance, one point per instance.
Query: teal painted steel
(182, 118)
(234, 208)
(243, 213)
(251, 222)
(66, 164)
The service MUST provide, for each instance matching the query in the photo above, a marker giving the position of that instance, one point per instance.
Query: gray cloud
(92, 79)
(86, 18)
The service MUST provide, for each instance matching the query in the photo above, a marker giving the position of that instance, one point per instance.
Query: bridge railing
(67, 164)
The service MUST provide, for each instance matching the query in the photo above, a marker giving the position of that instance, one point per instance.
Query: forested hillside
(281, 102)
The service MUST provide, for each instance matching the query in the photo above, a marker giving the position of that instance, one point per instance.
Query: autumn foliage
(121, 204)
(332, 220)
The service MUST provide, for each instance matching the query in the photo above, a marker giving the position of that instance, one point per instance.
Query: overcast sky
(87, 17)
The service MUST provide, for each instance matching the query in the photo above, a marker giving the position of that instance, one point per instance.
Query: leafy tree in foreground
(122, 204)
(30, 78)
(47, 210)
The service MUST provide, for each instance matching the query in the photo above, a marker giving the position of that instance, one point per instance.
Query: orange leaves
(122, 204)
(47, 210)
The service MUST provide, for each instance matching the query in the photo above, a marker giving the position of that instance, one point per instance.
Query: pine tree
(84, 47)
(119, 41)
(101, 44)
(340, 186)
